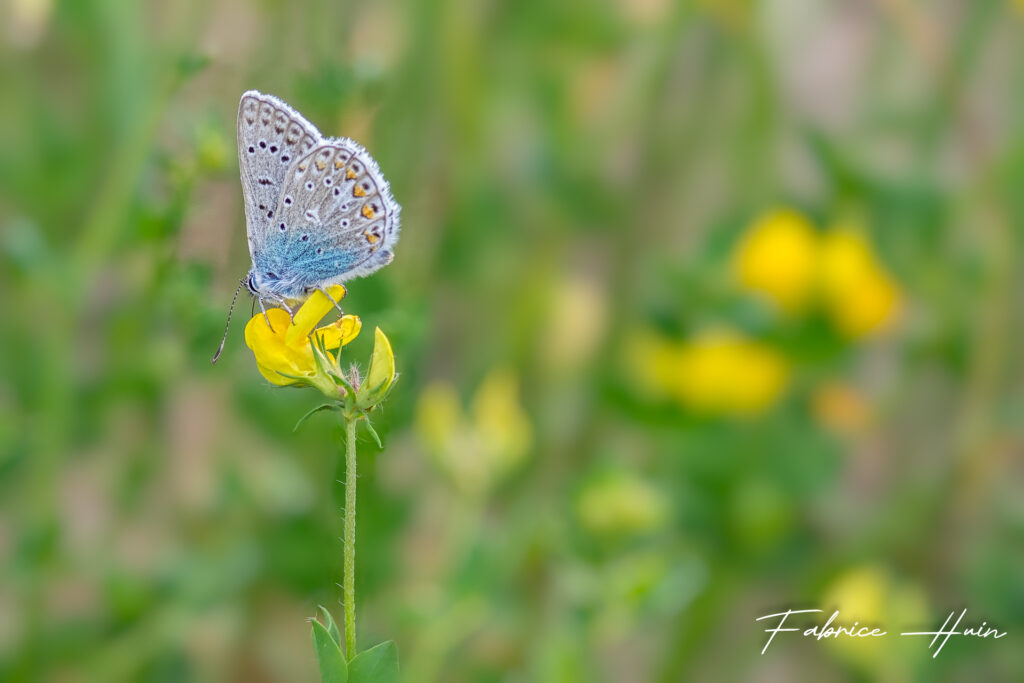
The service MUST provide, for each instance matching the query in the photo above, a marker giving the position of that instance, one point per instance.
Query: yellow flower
(284, 351)
(859, 295)
(718, 372)
(871, 596)
(721, 372)
(777, 258)
(479, 448)
(620, 504)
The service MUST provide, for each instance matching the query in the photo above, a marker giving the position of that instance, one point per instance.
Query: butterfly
(318, 210)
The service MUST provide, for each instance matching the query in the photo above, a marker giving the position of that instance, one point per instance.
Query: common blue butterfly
(318, 211)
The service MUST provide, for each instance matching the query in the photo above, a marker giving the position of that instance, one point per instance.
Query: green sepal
(379, 664)
(324, 406)
(373, 432)
(297, 378)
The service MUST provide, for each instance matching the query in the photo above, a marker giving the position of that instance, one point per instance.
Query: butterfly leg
(285, 306)
(336, 304)
(265, 316)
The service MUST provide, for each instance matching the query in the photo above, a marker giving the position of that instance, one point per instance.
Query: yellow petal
(341, 331)
(310, 313)
(378, 380)
(269, 348)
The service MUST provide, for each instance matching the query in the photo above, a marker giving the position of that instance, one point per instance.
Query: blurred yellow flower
(479, 448)
(620, 504)
(576, 325)
(783, 258)
(869, 594)
(26, 21)
(718, 372)
(721, 372)
(859, 295)
(777, 257)
(284, 350)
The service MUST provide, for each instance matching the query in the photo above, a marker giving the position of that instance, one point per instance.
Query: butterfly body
(318, 210)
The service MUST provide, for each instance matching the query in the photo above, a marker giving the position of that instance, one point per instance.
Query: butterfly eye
(309, 186)
(327, 181)
(273, 148)
(263, 145)
(282, 227)
(252, 150)
(336, 192)
(319, 250)
(285, 158)
(305, 238)
(270, 214)
(288, 200)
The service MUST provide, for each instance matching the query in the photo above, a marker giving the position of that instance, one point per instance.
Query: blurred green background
(701, 309)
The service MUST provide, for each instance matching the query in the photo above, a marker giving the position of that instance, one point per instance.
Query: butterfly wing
(335, 220)
(271, 138)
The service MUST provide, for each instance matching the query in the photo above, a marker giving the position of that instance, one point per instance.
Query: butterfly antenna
(227, 325)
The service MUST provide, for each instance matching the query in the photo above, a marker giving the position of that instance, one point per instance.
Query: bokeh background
(702, 310)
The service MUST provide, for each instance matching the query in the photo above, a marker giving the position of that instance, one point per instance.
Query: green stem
(349, 585)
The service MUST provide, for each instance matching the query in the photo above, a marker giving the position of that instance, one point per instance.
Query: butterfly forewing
(271, 138)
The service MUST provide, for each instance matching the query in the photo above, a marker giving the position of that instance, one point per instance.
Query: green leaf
(332, 628)
(379, 664)
(325, 406)
(333, 668)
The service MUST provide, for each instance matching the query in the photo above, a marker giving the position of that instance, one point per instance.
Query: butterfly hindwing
(271, 138)
(335, 219)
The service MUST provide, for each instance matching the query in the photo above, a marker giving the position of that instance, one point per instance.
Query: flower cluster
(783, 258)
(478, 449)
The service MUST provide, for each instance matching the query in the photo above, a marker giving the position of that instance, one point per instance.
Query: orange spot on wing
(367, 211)
(337, 164)
(350, 174)
(359, 192)
(320, 165)
(371, 238)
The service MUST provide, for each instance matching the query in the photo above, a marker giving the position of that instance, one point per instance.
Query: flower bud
(377, 385)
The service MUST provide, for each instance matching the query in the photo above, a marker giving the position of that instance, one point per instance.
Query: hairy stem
(349, 585)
